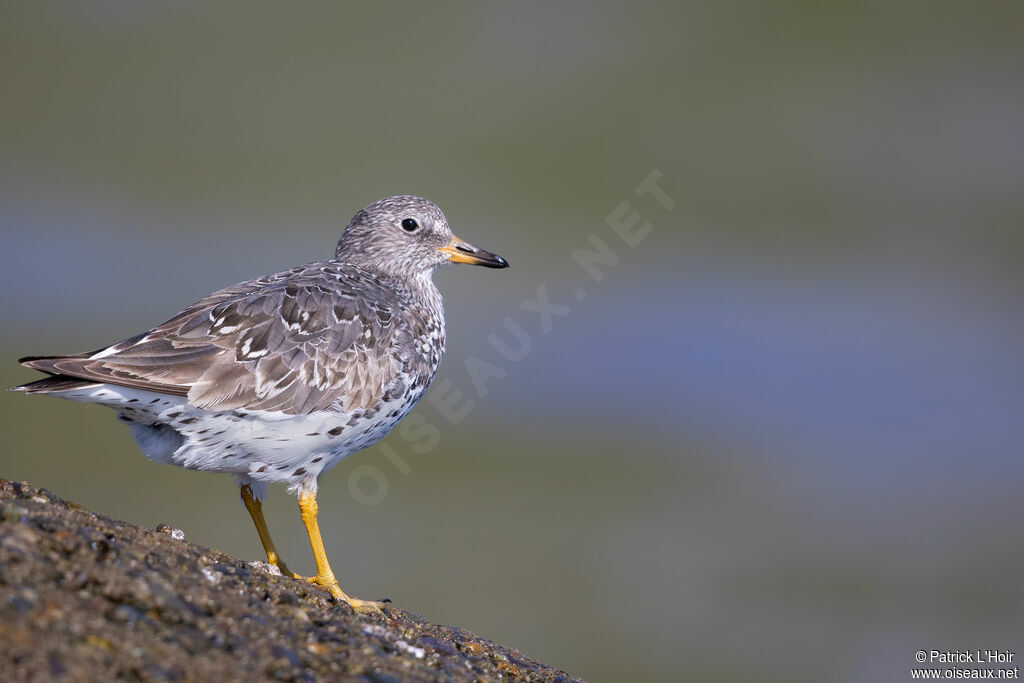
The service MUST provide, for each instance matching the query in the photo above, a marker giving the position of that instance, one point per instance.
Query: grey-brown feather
(295, 342)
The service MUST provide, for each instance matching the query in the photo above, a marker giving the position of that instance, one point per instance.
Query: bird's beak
(464, 252)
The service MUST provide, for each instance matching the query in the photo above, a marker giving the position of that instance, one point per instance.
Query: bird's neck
(426, 293)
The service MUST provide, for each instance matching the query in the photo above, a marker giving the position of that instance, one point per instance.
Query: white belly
(260, 445)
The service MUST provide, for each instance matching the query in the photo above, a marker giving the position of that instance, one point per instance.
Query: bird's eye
(410, 225)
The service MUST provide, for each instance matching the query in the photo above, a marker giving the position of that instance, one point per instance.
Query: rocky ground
(89, 598)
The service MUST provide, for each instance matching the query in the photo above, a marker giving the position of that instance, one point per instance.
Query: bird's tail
(56, 381)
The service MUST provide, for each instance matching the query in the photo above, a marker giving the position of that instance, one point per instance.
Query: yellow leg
(308, 509)
(255, 509)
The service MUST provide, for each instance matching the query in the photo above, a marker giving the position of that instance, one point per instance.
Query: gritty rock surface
(84, 597)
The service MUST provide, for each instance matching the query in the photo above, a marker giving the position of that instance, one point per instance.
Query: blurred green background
(780, 440)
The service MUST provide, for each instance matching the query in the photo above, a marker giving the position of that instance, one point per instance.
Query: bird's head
(406, 235)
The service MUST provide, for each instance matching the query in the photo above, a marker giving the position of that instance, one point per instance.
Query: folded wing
(286, 343)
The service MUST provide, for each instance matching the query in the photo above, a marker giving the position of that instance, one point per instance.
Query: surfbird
(277, 379)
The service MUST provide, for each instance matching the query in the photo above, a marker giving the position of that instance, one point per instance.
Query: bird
(276, 379)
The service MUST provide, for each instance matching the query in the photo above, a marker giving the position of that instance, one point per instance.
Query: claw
(330, 584)
(366, 606)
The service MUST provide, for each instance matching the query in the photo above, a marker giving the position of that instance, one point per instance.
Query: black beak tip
(499, 262)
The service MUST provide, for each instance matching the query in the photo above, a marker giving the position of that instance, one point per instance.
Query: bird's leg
(255, 509)
(308, 509)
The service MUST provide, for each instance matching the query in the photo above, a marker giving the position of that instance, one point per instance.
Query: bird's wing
(292, 342)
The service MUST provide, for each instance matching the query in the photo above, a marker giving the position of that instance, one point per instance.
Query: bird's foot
(274, 559)
(330, 584)
(366, 606)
